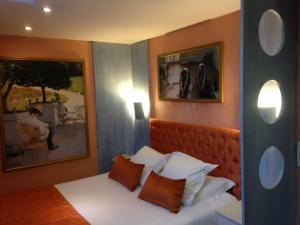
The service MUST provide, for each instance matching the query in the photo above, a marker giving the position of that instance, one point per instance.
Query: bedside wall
(226, 29)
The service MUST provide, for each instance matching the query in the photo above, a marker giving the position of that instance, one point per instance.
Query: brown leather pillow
(126, 172)
(163, 191)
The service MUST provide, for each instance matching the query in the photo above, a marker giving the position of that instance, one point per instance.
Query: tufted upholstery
(214, 145)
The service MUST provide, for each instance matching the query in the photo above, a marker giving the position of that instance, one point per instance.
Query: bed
(103, 201)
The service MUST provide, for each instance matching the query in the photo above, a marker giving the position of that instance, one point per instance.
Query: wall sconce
(269, 101)
(138, 110)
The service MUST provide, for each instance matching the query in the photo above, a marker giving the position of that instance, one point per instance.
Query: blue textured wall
(120, 70)
(112, 66)
(140, 78)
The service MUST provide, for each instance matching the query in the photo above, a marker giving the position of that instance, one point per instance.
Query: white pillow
(182, 166)
(214, 186)
(152, 159)
(209, 166)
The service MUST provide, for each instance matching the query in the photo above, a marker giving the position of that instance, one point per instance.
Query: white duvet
(102, 201)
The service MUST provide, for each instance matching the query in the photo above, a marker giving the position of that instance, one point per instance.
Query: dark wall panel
(262, 206)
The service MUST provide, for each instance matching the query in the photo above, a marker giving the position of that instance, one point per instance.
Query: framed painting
(192, 75)
(43, 112)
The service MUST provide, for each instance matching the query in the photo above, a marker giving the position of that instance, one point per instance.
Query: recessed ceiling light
(28, 28)
(47, 9)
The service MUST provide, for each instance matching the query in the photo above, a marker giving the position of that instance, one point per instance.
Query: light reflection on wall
(125, 93)
(129, 95)
(142, 96)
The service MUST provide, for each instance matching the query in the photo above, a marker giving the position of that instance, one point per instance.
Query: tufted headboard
(214, 145)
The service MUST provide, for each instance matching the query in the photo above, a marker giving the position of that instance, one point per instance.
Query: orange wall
(24, 47)
(226, 29)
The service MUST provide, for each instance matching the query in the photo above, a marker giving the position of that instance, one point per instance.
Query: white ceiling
(119, 21)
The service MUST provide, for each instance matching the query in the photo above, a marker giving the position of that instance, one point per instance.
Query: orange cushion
(126, 172)
(163, 191)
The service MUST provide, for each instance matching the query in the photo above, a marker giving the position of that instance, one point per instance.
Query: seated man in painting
(45, 131)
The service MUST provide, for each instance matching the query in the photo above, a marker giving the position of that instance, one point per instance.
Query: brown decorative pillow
(163, 191)
(126, 172)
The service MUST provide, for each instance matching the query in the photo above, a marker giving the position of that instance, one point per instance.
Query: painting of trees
(49, 74)
(36, 73)
(12, 72)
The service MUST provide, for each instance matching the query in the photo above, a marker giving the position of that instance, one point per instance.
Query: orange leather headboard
(214, 145)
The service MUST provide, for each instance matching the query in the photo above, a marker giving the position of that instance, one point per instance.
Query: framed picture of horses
(194, 74)
(43, 111)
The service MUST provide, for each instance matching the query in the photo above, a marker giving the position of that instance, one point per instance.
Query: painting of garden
(44, 115)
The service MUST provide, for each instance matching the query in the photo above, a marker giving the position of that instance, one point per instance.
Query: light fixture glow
(28, 28)
(269, 101)
(141, 95)
(47, 9)
(270, 97)
(129, 95)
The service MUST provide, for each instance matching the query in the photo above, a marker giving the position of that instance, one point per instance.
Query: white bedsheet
(102, 201)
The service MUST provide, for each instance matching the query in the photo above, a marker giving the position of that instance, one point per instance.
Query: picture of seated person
(45, 131)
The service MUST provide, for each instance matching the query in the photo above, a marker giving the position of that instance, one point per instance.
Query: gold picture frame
(194, 74)
(60, 106)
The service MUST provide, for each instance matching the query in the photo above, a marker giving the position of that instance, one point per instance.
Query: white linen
(182, 166)
(213, 186)
(152, 159)
(191, 160)
(103, 201)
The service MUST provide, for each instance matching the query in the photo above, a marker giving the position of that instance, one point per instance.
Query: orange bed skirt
(42, 206)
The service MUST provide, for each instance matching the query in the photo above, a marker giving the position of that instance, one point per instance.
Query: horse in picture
(208, 77)
(194, 74)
